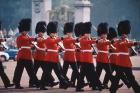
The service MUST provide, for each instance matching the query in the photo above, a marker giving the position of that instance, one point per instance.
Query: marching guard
(52, 56)
(124, 62)
(40, 52)
(24, 56)
(103, 53)
(87, 66)
(70, 52)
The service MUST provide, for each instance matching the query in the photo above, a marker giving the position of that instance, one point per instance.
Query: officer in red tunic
(3, 75)
(78, 27)
(87, 66)
(52, 56)
(113, 55)
(70, 54)
(77, 54)
(124, 62)
(24, 56)
(103, 52)
(40, 52)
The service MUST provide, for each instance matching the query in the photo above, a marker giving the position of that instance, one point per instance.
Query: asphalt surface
(10, 67)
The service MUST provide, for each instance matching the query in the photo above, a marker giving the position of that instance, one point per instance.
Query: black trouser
(28, 65)
(58, 71)
(114, 68)
(88, 70)
(104, 66)
(73, 76)
(37, 64)
(129, 74)
(74, 68)
(3, 75)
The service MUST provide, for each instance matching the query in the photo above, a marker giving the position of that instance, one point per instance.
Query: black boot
(32, 85)
(64, 86)
(43, 88)
(53, 84)
(105, 86)
(72, 84)
(9, 85)
(97, 88)
(18, 87)
(79, 90)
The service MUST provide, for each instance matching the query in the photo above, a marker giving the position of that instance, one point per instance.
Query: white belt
(103, 51)
(123, 53)
(25, 47)
(72, 50)
(51, 50)
(114, 53)
(38, 48)
(42, 49)
(87, 50)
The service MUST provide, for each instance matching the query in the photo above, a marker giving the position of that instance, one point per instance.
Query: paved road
(10, 66)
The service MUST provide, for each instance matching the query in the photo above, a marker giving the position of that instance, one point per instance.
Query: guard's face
(124, 36)
(69, 34)
(87, 35)
(40, 34)
(104, 36)
(53, 34)
(24, 32)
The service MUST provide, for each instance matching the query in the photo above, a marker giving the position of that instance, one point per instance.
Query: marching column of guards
(40, 51)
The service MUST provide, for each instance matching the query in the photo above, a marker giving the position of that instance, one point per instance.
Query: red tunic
(69, 45)
(52, 47)
(123, 48)
(114, 54)
(77, 53)
(40, 53)
(103, 48)
(78, 56)
(86, 50)
(24, 45)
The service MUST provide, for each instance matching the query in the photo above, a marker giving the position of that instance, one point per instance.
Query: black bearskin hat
(86, 28)
(124, 27)
(78, 29)
(112, 33)
(41, 27)
(24, 25)
(52, 27)
(102, 29)
(68, 27)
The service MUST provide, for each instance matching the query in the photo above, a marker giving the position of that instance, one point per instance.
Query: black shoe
(37, 85)
(84, 85)
(43, 88)
(72, 84)
(32, 85)
(18, 87)
(79, 90)
(105, 86)
(112, 91)
(119, 86)
(9, 85)
(97, 88)
(53, 84)
(64, 86)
